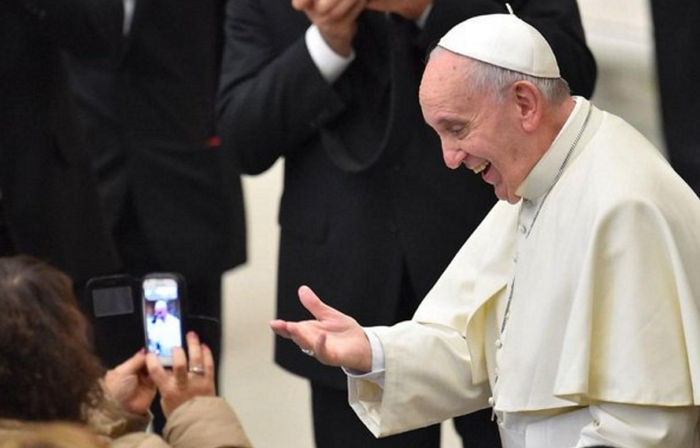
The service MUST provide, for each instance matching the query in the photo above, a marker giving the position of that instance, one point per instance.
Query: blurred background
(274, 405)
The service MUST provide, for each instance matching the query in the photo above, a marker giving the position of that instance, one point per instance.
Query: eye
(455, 130)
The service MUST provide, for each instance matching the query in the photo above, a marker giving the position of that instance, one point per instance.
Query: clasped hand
(336, 339)
(337, 19)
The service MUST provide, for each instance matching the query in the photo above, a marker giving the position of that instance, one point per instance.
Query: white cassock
(164, 334)
(599, 268)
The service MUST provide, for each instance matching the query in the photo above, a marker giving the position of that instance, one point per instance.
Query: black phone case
(117, 335)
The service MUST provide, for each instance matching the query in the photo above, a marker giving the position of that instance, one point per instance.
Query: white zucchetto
(505, 41)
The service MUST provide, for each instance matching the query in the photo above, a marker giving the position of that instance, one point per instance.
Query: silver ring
(308, 351)
(198, 370)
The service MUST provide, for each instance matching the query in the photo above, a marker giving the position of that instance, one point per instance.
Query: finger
(305, 334)
(180, 366)
(337, 10)
(280, 327)
(323, 7)
(145, 379)
(155, 370)
(315, 305)
(208, 360)
(348, 9)
(320, 348)
(300, 5)
(133, 364)
(194, 349)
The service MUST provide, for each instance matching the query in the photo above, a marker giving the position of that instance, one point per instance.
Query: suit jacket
(367, 198)
(48, 192)
(150, 118)
(677, 39)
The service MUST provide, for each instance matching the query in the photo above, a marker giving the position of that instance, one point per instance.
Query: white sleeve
(624, 425)
(329, 63)
(376, 374)
(427, 379)
(420, 22)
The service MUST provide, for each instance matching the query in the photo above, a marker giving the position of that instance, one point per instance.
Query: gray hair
(494, 80)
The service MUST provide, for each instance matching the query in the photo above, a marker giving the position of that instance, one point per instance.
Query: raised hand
(334, 338)
(335, 19)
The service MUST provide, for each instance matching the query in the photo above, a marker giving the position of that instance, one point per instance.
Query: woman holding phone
(48, 373)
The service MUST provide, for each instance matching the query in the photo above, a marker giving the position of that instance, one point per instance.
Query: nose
(452, 156)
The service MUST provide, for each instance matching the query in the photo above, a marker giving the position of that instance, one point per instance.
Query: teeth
(481, 167)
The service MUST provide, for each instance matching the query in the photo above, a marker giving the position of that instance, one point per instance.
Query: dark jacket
(150, 117)
(677, 39)
(48, 192)
(367, 198)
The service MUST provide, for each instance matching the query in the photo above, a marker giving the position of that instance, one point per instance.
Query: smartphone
(114, 307)
(163, 297)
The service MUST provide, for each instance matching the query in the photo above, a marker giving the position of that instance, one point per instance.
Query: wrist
(339, 42)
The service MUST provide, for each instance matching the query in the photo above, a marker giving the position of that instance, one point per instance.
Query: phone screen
(162, 316)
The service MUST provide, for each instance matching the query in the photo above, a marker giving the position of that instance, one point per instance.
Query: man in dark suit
(48, 202)
(332, 87)
(173, 201)
(677, 38)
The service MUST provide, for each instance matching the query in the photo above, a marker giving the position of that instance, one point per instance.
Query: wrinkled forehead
(445, 76)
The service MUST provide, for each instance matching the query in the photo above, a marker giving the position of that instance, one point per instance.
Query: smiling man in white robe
(573, 310)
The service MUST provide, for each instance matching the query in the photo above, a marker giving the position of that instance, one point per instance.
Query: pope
(573, 310)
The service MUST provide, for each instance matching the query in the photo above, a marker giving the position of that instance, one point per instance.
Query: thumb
(314, 304)
(133, 364)
(156, 372)
(301, 4)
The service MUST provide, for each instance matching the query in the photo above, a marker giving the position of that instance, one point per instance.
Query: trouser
(337, 426)
(477, 430)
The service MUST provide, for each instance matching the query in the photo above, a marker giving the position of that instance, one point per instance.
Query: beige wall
(273, 404)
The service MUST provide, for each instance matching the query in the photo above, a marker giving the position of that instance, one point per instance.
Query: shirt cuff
(128, 15)
(420, 22)
(376, 375)
(329, 63)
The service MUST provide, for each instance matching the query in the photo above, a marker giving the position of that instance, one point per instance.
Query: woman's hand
(130, 386)
(185, 380)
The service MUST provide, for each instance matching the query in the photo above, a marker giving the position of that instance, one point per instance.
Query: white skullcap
(505, 41)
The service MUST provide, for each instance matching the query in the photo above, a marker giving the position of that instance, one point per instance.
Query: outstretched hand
(334, 338)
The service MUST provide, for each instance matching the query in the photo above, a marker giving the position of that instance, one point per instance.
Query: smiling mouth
(480, 168)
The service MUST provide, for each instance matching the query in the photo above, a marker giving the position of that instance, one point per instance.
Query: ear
(529, 103)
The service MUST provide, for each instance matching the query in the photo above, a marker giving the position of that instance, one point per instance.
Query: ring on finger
(197, 370)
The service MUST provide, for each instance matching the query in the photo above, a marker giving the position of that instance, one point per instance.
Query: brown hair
(47, 368)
